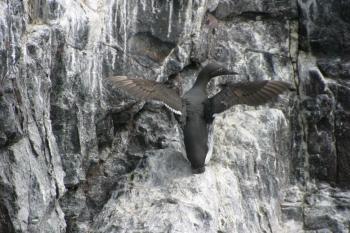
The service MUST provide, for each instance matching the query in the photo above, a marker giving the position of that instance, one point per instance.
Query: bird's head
(210, 71)
(213, 69)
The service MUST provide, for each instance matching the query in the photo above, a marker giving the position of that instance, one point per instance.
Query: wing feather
(149, 90)
(250, 93)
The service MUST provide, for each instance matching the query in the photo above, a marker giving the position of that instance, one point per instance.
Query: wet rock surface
(78, 156)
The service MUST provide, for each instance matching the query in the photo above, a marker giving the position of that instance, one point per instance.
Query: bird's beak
(221, 71)
(227, 72)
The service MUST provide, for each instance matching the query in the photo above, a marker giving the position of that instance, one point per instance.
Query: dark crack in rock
(149, 47)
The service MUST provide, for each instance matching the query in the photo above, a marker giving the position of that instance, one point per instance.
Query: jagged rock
(77, 156)
(162, 194)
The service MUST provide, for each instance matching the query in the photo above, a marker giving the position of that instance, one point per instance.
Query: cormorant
(197, 110)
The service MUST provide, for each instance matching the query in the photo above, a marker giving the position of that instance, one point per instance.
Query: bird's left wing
(149, 90)
(250, 93)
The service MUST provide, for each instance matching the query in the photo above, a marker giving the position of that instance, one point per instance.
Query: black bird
(197, 110)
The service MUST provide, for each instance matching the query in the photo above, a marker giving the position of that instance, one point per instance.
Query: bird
(197, 109)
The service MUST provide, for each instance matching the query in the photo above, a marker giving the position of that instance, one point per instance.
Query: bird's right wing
(250, 93)
(149, 90)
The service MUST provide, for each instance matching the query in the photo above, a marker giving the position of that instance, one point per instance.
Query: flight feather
(249, 93)
(149, 90)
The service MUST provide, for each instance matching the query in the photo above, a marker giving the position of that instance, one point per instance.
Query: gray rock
(77, 156)
(162, 194)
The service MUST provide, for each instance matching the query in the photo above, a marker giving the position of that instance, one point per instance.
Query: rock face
(78, 156)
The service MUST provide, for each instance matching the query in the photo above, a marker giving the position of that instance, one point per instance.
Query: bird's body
(197, 110)
(196, 128)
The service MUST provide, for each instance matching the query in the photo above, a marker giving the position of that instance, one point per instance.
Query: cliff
(79, 156)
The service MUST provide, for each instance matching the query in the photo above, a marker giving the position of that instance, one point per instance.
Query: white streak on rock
(210, 143)
(171, 6)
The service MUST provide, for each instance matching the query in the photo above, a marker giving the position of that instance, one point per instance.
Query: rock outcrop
(78, 156)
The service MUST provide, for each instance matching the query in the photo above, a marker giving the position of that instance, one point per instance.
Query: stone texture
(325, 87)
(162, 195)
(77, 156)
(322, 162)
(31, 174)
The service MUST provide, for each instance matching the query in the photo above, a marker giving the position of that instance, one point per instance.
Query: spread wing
(149, 90)
(250, 93)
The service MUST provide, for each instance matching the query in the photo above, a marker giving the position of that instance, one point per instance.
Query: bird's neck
(202, 81)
